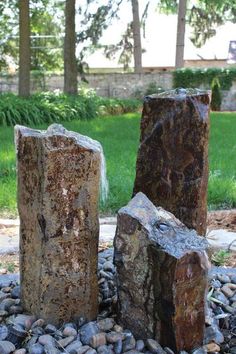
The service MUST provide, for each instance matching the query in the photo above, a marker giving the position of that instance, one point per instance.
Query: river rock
(139, 345)
(161, 276)
(106, 324)
(58, 190)
(65, 341)
(212, 347)
(50, 329)
(69, 331)
(3, 332)
(172, 162)
(213, 334)
(15, 292)
(98, 340)
(154, 347)
(36, 349)
(118, 347)
(129, 343)
(227, 291)
(49, 349)
(6, 347)
(25, 321)
(223, 278)
(104, 350)
(114, 337)
(74, 347)
(38, 323)
(20, 351)
(87, 331)
(46, 339)
(91, 351)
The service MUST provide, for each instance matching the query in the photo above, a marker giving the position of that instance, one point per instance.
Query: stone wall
(114, 85)
(127, 85)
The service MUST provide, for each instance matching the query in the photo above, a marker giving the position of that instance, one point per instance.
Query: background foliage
(215, 95)
(197, 77)
(49, 107)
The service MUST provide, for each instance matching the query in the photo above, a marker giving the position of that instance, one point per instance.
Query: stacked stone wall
(115, 85)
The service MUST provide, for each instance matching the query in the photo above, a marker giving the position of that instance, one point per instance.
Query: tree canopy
(47, 28)
(46, 24)
(203, 16)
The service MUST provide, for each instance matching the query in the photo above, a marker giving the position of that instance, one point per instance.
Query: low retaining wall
(114, 85)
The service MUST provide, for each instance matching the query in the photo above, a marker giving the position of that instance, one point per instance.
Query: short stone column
(58, 191)
(172, 162)
(161, 276)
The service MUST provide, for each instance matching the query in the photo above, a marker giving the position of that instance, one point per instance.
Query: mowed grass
(119, 136)
(222, 159)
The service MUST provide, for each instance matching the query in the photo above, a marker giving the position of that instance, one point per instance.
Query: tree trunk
(24, 56)
(137, 37)
(179, 57)
(70, 65)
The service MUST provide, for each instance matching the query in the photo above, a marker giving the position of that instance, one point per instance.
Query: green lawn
(119, 136)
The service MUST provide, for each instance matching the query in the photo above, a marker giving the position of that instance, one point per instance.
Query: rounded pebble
(20, 351)
(15, 293)
(36, 349)
(3, 332)
(6, 347)
(98, 340)
(87, 331)
(69, 331)
(46, 339)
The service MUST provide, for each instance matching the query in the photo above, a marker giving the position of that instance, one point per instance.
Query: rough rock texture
(172, 163)
(58, 189)
(161, 276)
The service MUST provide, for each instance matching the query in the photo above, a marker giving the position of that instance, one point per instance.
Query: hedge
(188, 77)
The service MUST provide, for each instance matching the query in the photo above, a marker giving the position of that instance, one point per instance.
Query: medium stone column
(161, 276)
(58, 190)
(172, 162)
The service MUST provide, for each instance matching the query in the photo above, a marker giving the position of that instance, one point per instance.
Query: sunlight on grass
(119, 136)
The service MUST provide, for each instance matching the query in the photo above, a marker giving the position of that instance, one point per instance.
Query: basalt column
(161, 276)
(58, 190)
(172, 162)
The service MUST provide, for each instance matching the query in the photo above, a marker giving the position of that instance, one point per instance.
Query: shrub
(152, 88)
(114, 106)
(51, 107)
(216, 95)
(188, 77)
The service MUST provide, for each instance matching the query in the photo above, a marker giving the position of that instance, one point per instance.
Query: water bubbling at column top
(179, 93)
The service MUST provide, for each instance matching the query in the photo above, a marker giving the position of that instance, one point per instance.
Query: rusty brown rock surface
(161, 276)
(58, 190)
(172, 162)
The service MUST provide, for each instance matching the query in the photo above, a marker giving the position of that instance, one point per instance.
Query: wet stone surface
(172, 162)
(27, 334)
(161, 275)
(58, 191)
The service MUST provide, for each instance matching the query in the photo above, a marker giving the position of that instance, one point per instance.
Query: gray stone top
(59, 130)
(164, 229)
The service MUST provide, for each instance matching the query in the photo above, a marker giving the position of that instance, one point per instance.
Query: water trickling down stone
(172, 162)
(161, 276)
(58, 190)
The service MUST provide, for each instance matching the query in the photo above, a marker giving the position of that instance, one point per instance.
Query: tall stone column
(161, 276)
(172, 162)
(58, 191)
